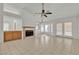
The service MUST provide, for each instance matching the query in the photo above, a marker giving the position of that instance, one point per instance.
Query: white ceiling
(59, 10)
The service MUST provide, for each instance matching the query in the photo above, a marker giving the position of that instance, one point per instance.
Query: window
(18, 24)
(46, 28)
(52, 28)
(68, 29)
(59, 29)
(37, 27)
(6, 26)
(12, 23)
(42, 27)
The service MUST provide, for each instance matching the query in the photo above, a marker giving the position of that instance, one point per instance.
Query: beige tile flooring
(41, 45)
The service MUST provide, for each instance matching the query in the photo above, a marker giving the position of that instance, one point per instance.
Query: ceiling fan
(44, 12)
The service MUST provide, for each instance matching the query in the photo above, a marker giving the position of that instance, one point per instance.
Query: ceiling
(59, 10)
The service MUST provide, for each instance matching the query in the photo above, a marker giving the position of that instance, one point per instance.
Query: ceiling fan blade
(48, 13)
(45, 15)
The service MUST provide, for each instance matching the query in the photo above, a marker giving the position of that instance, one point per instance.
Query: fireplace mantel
(28, 27)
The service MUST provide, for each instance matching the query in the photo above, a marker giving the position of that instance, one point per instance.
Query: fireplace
(29, 33)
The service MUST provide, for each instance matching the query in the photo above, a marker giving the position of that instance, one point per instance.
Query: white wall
(1, 24)
(30, 19)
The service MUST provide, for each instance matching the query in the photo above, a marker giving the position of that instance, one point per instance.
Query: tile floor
(41, 45)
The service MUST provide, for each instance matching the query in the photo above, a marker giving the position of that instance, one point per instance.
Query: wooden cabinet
(7, 36)
(12, 35)
(19, 34)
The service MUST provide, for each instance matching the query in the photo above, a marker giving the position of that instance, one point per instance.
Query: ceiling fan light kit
(44, 12)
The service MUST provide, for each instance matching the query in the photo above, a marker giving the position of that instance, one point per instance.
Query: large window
(59, 29)
(6, 26)
(47, 27)
(42, 27)
(68, 28)
(12, 23)
(11, 19)
(51, 28)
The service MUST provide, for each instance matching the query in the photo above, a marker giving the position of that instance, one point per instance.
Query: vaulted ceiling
(59, 10)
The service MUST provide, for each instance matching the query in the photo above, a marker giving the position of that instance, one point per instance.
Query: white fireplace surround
(28, 28)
